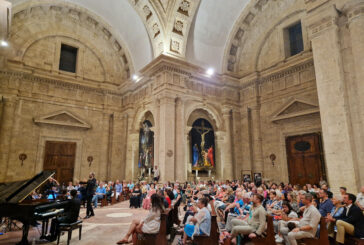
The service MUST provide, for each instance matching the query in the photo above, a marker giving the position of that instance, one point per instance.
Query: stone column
(228, 166)
(355, 12)
(5, 23)
(180, 144)
(131, 172)
(167, 138)
(332, 97)
(188, 157)
(258, 164)
(220, 155)
(6, 129)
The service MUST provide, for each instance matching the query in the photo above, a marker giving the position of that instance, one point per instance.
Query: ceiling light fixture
(135, 77)
(210, 71)
(4, 43)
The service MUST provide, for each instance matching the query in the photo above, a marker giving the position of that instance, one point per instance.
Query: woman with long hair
(149, 225)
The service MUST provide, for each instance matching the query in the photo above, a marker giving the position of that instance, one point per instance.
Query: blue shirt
(101, 190)
(119, 188)
(325, 207)
(338, 213)
(241, 203)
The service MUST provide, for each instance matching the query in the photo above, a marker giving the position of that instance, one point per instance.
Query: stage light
(4, 43)
(210, 71)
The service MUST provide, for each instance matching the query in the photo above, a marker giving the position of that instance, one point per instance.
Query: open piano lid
(16, 192)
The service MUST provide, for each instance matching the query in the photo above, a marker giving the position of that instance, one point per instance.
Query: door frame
(284, 133)
(321, 149)
(41, 153)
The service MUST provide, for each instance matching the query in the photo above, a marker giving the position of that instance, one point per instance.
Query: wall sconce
(272, 157)
(22, 157)
(90, 159)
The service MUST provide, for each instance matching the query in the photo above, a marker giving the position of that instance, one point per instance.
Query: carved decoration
(295, 108)
(62, 118)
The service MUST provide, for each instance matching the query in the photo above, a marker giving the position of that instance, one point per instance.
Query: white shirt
(347, 209)
(360, 199)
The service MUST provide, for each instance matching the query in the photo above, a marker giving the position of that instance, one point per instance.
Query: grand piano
(15, 205)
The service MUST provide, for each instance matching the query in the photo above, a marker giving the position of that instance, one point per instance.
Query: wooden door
(60, 157)
(304, 157)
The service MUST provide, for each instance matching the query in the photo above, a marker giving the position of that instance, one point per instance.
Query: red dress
(210, 156)
(169, 202)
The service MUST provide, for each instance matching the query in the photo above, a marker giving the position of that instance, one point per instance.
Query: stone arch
(87, 22)
(142, 115)
(243, 33)
(269, 32)
(207, 112)
(28, 44)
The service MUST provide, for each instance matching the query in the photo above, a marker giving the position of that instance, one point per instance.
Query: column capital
(353, 10)
(320, 21)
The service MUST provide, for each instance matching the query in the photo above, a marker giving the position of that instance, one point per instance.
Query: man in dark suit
(351, 222)
(71, 212)
(90, 192)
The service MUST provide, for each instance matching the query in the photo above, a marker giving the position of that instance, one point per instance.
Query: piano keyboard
(48, 214)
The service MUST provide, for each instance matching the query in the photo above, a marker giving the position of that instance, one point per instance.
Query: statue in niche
(203, 143)
(146, 149)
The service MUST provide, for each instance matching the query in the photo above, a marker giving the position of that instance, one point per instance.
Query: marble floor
(107, 227)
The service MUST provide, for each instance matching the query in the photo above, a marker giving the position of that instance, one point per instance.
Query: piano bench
(69, 227)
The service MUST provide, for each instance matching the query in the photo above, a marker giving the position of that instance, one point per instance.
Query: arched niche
(202, 145)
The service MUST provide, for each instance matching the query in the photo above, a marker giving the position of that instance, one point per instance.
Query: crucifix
(202, 130)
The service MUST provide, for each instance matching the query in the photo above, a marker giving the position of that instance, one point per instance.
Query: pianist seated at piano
(70, 215)
(100, 193)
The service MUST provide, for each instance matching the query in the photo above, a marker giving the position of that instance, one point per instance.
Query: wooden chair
(113, 198)
(213, 239)
(351, 240)
(104, 201)
(159, 238)
(322, 240)
(269, 238)
(69, 228)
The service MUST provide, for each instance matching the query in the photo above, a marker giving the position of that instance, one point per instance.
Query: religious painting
(146, 147)
(202, 145)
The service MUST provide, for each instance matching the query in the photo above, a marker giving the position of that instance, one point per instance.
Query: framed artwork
(246, 175)
(257, 178)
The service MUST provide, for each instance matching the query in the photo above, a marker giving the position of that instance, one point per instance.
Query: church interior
(188, 91)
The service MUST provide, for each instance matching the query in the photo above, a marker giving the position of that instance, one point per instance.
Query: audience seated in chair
(99, 194)
(200, 223)
(253, 224)
(351, 222)
(135, 197)
(150, 224)
(306, 227)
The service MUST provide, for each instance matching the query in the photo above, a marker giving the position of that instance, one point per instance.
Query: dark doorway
(304, 157)
(60, 157)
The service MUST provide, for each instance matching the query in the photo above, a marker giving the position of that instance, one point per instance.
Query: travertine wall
(264, 96)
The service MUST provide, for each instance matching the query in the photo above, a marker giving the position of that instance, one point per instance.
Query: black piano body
(14, 205)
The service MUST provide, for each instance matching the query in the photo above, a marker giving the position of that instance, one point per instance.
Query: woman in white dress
(149, 224)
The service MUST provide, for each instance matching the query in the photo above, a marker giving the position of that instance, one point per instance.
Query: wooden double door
(304, 157)
(60, 157)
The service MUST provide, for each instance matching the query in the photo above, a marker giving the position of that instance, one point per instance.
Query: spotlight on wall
(210, 72)
(4, 43)
(22, 157)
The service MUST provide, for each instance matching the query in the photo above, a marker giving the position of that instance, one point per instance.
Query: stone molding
(62, 118)
(322, 20)
(277, 75)
(283, 112)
